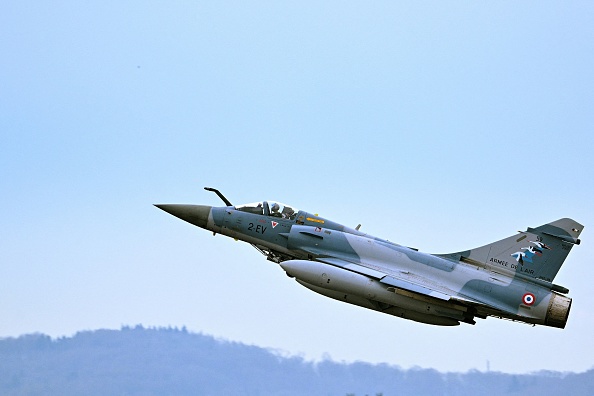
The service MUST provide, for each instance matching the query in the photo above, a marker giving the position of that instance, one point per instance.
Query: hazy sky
(439, 125)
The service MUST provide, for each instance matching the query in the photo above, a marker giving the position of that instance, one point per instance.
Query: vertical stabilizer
(538, 252)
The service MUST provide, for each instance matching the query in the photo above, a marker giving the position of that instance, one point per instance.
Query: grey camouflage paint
(511, 278)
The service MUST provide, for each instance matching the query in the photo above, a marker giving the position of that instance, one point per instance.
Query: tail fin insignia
(539, 252)
(531, 251)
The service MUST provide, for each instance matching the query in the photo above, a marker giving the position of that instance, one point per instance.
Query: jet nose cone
(193, 214)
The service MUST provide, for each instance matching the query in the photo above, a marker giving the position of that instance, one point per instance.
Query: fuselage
(348, 265)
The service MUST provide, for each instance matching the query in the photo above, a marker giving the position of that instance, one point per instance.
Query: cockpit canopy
(269, 208)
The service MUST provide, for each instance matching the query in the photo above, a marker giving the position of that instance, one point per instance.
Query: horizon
(286, 354)
(289, 354)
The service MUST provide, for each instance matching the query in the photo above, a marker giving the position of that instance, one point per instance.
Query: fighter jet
(508, 279)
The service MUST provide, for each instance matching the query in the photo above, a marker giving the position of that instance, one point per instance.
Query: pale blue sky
(439, 125)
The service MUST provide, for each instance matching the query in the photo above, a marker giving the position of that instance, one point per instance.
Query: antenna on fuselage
(214, 190)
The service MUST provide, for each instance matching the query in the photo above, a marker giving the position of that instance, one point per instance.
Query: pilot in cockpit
(288, 212)
(275, 210)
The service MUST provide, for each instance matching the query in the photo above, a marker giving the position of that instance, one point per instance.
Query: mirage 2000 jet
(511, 278)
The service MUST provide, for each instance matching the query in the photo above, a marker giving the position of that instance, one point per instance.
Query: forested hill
(139, 361)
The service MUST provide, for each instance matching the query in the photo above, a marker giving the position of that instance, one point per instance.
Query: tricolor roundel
(528, 299)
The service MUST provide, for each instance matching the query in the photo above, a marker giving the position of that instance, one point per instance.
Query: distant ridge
(141, 361)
